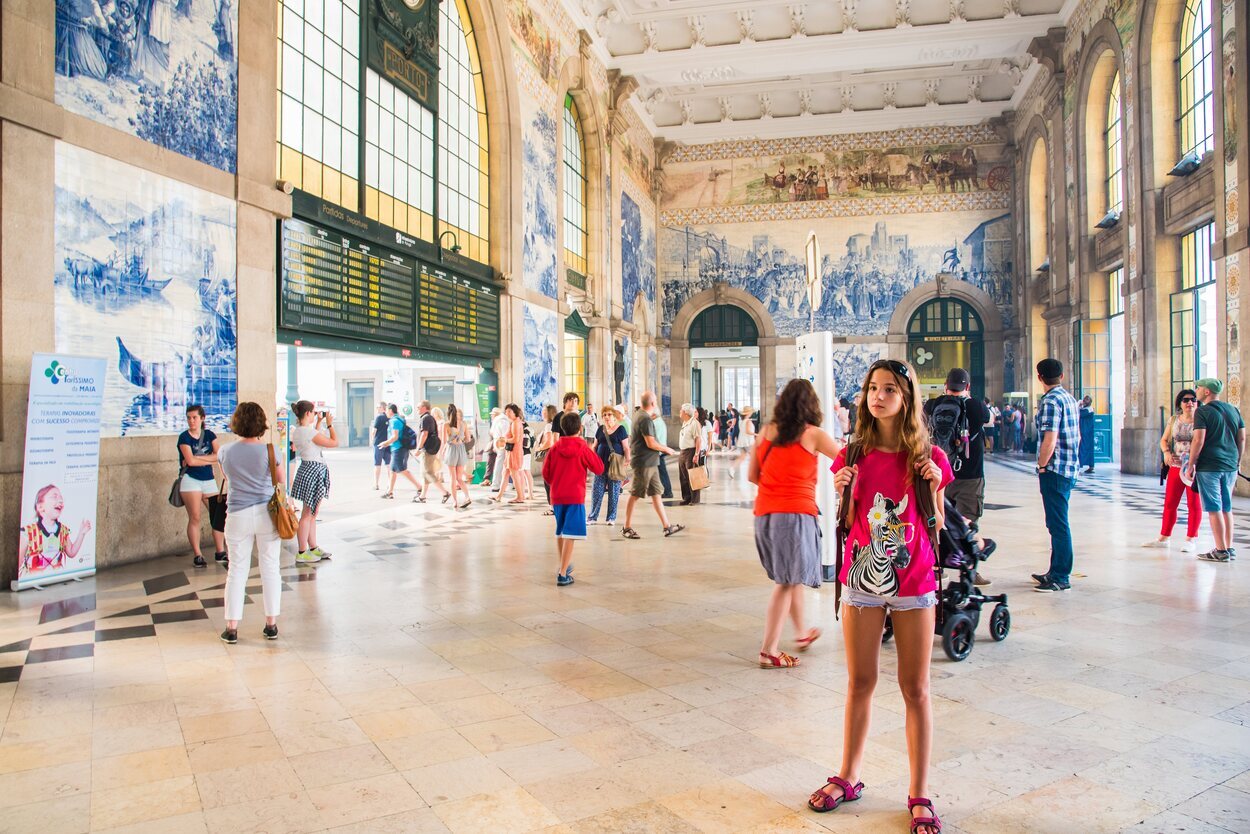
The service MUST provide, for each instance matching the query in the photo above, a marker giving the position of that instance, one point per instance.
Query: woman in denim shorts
(888, 568)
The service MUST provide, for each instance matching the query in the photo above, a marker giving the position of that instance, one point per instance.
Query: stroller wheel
(1000, 622)
(958, 635)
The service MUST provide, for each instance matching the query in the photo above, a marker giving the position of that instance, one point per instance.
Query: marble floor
(432, 677)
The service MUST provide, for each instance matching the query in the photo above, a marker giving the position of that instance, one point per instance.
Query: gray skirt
(457, 455)
(789, 547)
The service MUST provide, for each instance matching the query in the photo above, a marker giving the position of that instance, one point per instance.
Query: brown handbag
(280, 511)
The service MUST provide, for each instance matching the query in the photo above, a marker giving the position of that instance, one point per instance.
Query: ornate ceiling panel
(708, 70)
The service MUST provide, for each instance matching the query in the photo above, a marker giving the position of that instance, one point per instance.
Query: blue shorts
(570, 520)
(1216, 490)
(399, 460)
(382, 456)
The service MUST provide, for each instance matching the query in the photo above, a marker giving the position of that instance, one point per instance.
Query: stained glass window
(463, 169)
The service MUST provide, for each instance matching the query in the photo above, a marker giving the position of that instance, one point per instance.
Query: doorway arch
(766, 340)
(946, 333)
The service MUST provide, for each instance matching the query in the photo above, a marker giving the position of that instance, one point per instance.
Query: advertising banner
(815, 351)
(60, 475)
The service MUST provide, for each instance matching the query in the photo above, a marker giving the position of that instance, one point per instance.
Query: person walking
(1214, 457)
(1086, 420)
(644, 453)
(311, 485)
(250, 467)
(381, 449)
(197, 453)
(611, 439)
(690, 445)
(430, 442)
(957, 424)
(787, 535)
(734, 419)
(514, 455)
(891, 477)
(1059, 438)
(499, 425)
(708, 422)
(399, 453)
(744, 440)
(457, 455)
(994, 427)
(565, 469)
(546, 439)
(661, 434)
(1175, 445)
(590, 425)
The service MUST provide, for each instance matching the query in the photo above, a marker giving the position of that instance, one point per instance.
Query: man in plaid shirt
(1058, 459)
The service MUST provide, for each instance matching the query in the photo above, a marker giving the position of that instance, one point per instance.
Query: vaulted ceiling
(710, 70)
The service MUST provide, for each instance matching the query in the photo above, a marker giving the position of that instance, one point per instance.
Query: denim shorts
(205, 488)
(1216, 490)
(862, 599)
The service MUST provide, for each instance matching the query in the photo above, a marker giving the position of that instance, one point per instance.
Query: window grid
(399, 159)
(575, 368)
(575, 235)
(1197, 107)
(1196, 266)
(1115, 149)
(1194, 318)
(741, 386)
(1115, 292)
(463, 169)
(319, 98)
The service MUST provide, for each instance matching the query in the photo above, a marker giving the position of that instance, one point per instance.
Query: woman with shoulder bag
(249, 466)
(513, 454)
(1175, 447)
(311, 485)
(690, 443)
(197, 453)
(612, 447)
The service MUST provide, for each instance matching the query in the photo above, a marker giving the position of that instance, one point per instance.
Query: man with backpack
(402, 440)
(431, 443)
(957, 426)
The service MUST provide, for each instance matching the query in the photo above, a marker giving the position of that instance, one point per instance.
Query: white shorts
(206, 488)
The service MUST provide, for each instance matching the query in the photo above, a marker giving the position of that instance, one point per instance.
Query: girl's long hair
(453, 416)
(913, 431)
(797, 408)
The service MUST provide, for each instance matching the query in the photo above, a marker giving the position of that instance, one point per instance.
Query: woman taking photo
(513, 453)
(888, 568)
(251, 471)
(311, 485)
(786, 532)
(1175, 447)
(612, 438)
(197, 452)
(456, 455)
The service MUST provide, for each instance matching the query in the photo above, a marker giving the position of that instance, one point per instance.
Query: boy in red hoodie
(564, 470)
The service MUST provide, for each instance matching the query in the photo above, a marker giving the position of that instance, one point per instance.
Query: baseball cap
(1050, 369)
(1211, 384)
(958, 380)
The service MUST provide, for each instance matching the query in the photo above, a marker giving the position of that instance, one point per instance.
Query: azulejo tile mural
(850, 365)
(540, 341)
(163, 70)
(538, 152)
(637, 257)
(868, 266)
(145, 277)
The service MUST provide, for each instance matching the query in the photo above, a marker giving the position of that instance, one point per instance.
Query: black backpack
(948, 429)
(407, 437)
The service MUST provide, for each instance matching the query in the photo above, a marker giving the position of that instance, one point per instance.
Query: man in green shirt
(1214, 458)
(644, 458)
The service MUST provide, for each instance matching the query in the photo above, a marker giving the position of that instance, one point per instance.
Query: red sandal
(850, 793)
(805, 643)
(781, 660)
(931, 821)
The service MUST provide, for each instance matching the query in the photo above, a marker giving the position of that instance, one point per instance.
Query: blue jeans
(668, 485)
(612, 488)
(1216, 490)
(1056, 490)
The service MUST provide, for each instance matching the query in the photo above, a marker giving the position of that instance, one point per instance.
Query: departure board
(341, 286)
(456, 314)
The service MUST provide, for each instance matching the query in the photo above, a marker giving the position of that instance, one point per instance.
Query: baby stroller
(959, 603)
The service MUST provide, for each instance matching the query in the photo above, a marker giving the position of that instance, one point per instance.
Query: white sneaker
(1189, 546)
(1158, 543)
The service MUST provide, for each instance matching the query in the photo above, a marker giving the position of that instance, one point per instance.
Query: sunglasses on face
(893, 365)
(1188, 400)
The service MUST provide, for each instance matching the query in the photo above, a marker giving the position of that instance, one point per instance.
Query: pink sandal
(931, 821)
(850, 793)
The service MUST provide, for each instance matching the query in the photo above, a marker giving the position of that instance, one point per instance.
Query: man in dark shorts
(644, 459)
(381, 449)
(399, 455)
(1218, 446)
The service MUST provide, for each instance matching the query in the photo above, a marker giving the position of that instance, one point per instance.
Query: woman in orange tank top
(783, 466)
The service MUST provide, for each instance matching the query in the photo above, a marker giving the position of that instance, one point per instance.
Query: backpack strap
(926, 505)
(843, 529)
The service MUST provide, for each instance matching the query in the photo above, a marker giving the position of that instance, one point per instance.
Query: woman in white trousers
(246, 466)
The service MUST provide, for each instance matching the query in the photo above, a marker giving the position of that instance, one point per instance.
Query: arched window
(1115, 149)
(463, 170)
(1197, 109)
(575, 237)
(1038, 200)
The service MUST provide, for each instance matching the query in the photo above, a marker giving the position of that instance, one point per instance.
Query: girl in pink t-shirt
(888, 568)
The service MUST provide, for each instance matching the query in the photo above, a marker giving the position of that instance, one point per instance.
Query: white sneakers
(1158, 543)
(1190, 545)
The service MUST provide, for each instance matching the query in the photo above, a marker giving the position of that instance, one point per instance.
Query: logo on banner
(56, 372)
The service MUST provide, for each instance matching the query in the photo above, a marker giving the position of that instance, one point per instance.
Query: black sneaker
(222, 559)
(1050, 586)
(563, 579)
(230, 635)
(199, 562)
(1215, 556)
(1040, 578)
(270, 632)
